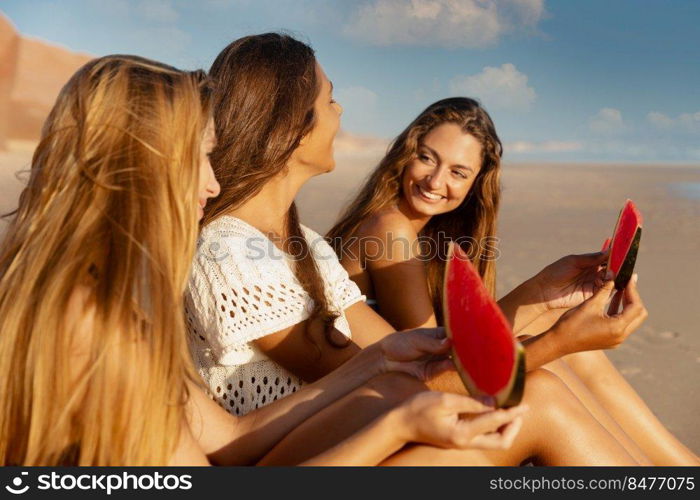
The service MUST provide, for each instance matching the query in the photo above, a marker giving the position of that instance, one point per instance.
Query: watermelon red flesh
(486, 354)
(628, 223)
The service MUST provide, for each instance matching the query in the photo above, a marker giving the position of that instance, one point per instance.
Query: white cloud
(659, 120)
(687, 122)
(607, 120)
(543, 147)
(503, 87)
(690, 120)
(358, 145)
(442, 23)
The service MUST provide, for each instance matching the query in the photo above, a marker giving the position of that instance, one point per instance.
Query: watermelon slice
(489, 360)
(625, 244)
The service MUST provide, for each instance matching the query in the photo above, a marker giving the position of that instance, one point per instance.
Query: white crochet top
(242, 288)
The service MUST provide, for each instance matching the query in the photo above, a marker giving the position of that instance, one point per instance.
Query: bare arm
(431, 418)
(397, 272)
(305, 351)
(229, 440)
(521, 307)
(400, 280)
(588, 327)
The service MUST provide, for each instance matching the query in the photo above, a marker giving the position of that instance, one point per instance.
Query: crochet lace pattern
(242, 287)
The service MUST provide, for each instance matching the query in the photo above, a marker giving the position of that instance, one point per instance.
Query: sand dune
(32, 72)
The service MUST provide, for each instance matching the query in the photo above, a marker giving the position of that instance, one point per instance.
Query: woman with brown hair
(440, 182)
(95, 365)
(271, 309)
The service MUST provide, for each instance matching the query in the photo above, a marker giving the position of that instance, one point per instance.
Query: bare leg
(557, 430)
(615, 403)
(623, 403)
(579, 388)
(589, 401)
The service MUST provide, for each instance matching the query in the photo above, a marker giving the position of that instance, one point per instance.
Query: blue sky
(589, 80)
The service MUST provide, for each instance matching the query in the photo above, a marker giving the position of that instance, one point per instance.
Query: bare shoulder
(387, 238)
(388, 224)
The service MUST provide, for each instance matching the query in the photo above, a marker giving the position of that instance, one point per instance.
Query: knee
(588, 364)
(541, 383)
(549, 397)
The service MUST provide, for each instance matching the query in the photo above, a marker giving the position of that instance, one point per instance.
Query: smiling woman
(439, 180)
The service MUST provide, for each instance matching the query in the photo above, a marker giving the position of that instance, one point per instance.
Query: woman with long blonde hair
(100, 232)
(95, 364)
(439, 182)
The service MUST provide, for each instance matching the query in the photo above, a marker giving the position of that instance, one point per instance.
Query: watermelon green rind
(629, 220)
(511, 395)
(472, 389)
(627, 269)
(516, 391)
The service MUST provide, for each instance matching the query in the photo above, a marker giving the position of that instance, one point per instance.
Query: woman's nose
(213, 187)
(435, 179)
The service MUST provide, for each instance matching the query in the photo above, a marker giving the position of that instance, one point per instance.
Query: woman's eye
(425, 158)
(460, 174)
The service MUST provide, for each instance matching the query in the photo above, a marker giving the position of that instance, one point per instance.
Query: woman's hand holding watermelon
(570, 280)
(454, 421)
(422, 353)
(588, 327)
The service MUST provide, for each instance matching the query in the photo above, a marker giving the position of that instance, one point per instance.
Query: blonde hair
(475, 219)
(110, 207)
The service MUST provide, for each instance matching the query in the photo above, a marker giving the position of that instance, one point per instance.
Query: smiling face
(208, 185)
(316, 148)
(439, 178)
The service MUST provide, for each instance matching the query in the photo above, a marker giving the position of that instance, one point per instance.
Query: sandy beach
(552, 210)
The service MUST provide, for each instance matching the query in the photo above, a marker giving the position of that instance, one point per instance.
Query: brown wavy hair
(108, 218)
(266, 86)
(474, 219)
